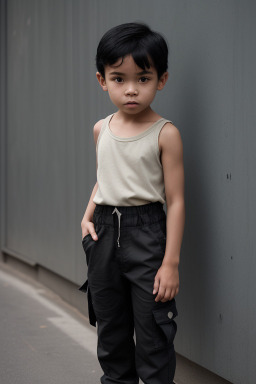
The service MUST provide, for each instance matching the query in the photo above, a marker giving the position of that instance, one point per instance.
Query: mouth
(131, 103)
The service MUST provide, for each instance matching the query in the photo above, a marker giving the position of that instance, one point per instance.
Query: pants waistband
(152, 208)
(129, 216)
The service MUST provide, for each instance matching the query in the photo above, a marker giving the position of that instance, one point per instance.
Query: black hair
(148, 48)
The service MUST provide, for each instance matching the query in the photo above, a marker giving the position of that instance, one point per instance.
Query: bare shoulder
(170, 130)
(96, 130)
(170, 139)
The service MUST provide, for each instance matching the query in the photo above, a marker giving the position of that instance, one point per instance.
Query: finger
(160, 295)
(156, 285)
(175, 292)
(94, 235)
(93, 232)
(167, 295)
(172, 294)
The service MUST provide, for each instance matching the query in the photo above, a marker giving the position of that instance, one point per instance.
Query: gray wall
(48, 167)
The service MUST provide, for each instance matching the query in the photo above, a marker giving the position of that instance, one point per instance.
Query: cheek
(114, 96)
(113, 90)
(150, 94)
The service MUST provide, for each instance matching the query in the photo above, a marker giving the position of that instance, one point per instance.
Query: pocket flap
(166, 312)
(92, 316)
(84, 287)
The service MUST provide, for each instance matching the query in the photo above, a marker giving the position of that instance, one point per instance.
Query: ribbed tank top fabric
(129, 168)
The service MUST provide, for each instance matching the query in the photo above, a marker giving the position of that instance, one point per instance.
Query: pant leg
(135, 260)
(111, 300)
(155, 327)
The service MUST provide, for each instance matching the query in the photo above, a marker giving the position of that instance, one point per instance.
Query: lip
(131, 104)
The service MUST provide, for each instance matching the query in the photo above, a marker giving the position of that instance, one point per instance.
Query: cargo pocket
(164, 326)
(87, 243)
(92, 316)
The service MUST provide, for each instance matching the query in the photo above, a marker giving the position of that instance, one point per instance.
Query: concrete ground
(44, 340)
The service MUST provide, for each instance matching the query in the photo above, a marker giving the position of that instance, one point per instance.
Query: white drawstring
(119, 221)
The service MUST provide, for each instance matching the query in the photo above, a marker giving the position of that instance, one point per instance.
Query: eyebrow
(139, 73)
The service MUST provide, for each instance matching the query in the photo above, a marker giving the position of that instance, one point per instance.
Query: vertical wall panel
(53, 101)
(3, 84)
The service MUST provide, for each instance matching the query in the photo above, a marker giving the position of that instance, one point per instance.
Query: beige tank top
(129, 169)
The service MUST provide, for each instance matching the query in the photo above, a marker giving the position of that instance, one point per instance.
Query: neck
(147, 115)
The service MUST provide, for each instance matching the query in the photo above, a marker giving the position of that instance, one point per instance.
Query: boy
(132, 247)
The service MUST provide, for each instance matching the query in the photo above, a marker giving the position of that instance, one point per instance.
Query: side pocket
(164, 325)
(87, 243)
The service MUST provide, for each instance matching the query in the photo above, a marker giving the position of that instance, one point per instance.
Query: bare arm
(91, 206)
(167, 277)
(87, 225)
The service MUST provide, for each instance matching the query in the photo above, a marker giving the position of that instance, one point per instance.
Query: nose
(131, 90)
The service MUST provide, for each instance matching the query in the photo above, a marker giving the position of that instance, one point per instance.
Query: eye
(144, 79)
(118, 79)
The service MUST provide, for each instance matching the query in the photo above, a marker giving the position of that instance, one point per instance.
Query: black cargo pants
(122, 265)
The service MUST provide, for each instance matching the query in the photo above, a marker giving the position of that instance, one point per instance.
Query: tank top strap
(160, 125)
(103, 127)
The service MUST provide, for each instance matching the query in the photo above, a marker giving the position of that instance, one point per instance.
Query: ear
(162, 81)
(101, 81)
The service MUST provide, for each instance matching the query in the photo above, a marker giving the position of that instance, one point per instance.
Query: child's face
(131, 88)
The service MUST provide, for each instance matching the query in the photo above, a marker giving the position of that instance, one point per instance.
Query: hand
(88, 227)
(166, 283)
